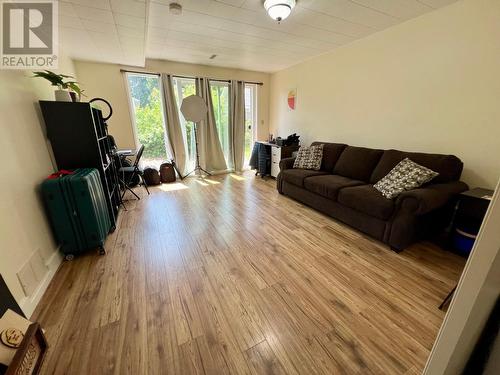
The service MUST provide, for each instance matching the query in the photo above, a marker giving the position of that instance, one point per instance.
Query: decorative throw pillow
(406, 175)
(309, 157)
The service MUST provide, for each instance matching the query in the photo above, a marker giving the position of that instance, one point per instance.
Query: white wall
(431, 84)
(106, 81)
(24, 228)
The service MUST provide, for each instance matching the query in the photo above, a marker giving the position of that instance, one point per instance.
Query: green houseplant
(74, 89)
(66, 90)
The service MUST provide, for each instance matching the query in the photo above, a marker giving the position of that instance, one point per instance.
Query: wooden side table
(472, 206)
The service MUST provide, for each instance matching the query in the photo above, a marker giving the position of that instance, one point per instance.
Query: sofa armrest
(423, 200)
(286, 163)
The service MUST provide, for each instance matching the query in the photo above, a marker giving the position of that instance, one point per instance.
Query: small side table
(470, 210)
(472, 206)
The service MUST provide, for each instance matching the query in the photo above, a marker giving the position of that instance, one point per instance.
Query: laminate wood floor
(227, 276)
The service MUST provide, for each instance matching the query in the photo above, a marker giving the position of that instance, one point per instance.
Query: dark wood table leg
(447, 298)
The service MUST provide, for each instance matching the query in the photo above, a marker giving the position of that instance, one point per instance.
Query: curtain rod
(181, 76)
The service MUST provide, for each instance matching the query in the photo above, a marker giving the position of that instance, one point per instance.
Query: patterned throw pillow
(406, 175)
(309, 157)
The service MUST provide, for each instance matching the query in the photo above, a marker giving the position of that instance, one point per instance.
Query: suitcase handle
(60, 173)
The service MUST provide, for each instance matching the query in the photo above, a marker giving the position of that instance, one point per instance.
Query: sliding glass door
(220, 100)
(250, 120)
(183, 88)
(147, 109)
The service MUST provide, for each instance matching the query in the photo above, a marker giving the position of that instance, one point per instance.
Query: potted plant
(67, 91)
(75, 91)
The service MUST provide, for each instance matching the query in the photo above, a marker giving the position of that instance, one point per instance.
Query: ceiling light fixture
(175, 9)
(279, 9)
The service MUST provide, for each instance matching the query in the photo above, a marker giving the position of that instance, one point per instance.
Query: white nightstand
(275, 160)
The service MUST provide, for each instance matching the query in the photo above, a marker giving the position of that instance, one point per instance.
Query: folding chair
(133, 171)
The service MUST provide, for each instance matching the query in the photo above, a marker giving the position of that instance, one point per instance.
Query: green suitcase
(77, 210)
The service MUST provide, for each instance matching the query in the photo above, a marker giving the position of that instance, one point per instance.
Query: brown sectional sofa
(343, 189)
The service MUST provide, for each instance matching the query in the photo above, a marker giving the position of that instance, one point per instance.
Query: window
(250, 119)
(183, 88)
(220, 101)
(148, 120)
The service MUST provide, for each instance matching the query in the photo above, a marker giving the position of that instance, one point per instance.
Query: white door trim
(475, 296)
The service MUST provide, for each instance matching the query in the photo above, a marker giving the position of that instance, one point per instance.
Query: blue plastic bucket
(463, 241)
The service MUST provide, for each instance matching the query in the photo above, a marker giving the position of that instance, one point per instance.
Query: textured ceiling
(239, 32)
(104, 30)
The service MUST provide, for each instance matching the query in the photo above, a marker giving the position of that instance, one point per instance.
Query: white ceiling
(239, 32)
(103, 30)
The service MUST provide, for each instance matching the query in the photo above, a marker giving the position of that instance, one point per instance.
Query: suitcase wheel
(69, 257)
(102, 251)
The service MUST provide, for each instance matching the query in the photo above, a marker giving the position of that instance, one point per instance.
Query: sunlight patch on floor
(237, 177)
(212, 182)
(206, 182)
(202, 182)
(173, 186)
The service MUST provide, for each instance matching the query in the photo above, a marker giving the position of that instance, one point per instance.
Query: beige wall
(24, 230)
(106, 81)
(431, 84)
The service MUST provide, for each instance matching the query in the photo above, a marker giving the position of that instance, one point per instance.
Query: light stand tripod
(194, 109)
(197, 167)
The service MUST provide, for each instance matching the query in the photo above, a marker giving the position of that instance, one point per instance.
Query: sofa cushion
(406, 175)
(449, 167)
(309, 157)
(328, 186)
(297, 176)
(366, 199)
(357, 162)
(331, 153)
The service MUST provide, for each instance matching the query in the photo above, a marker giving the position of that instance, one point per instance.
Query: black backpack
(151, 176)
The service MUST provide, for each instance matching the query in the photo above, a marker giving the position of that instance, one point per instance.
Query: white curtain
(177, 140)
(237, 125)
(210, 148)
